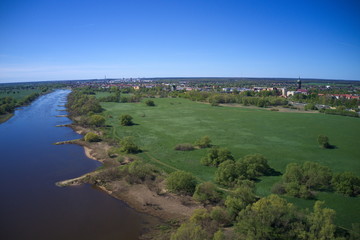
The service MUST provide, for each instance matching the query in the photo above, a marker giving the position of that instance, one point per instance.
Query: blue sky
(74, 39)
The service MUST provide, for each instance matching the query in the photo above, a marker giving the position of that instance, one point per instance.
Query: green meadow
(281, 137)
(18, 94)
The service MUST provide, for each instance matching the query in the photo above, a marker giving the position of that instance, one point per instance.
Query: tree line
(8, 104)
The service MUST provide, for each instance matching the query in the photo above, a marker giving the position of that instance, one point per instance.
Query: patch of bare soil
(164, 205)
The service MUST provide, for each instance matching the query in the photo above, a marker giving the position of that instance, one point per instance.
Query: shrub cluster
(339, 112)
(8, 104)
(271, 217)
(216, 156)
(104, 176)
(324, 142)
(206, 193)
(346, 183)
(96, 120)
(310, 106)
(261, 99)
(204, 142)
(200, 226)
(127, 145)
(92, 137)
(139, 171)
(181, 182)
(126, 120)
(299, 181)
(184, 147)
(150, 103)
(251, 166)
(80, 103)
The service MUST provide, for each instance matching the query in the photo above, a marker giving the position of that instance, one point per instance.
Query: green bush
(127, 145)
(92, 137)
(324, 141)
(242, 196)
(253, 165)
(216, 156)
(184, 147)
(126, 120)
(150, 103)
(189, 231)
(346, 183)
(227, 173)
(299, 181)
(181, 182)
(310, 106)
(104, 176)
(207, 193)
(221, 216)
(203, 142)
(139, 171)
(96, 120)
(340, 112)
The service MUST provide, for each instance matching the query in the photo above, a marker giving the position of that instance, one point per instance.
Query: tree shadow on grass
(332, 147)
(273, 172)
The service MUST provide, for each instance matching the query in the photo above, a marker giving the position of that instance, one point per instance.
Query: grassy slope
(281, 137)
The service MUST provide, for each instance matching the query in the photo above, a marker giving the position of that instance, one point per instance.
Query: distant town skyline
(65, 40)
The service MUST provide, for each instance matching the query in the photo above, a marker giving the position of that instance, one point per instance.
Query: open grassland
(18, 94)
(282, 137)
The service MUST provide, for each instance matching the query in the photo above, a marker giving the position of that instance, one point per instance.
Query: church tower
(299, 84)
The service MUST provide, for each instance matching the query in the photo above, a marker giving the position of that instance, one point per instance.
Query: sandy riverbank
(154, 200)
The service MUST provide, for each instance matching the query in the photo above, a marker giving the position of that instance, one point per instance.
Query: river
(31, 206)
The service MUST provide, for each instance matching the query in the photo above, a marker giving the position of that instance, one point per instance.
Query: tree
(298, 181)
(271, 218)
(310, 106)
(150, 103)
(126, 120)
(181, 182)
(200, 226)
(226, 174)
(221, 216)
(127, 145)
(321, 223)
(293, 173)
(253, 165)
(346, 183)
(92, 137)
(215, 156)
(207, 193)
(316, 176)
(242, 196)
(139, 171)
(324, 141)
(97, 120)
(188, 231)
(203, 142)
(219, 235)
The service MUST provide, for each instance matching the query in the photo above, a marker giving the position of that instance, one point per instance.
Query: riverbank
(5, 117)
(148, 197)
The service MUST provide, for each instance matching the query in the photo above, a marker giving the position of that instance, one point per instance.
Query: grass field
(281, 137)
(18, 94)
